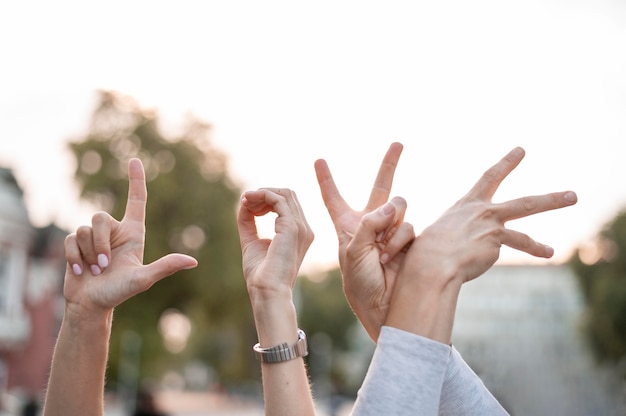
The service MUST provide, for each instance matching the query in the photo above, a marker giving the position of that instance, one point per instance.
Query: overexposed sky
(286, 82)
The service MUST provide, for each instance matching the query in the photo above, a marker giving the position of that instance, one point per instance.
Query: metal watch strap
(284, 351)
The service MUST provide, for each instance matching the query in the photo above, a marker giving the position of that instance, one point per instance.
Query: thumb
(374, 224)
(167, 266)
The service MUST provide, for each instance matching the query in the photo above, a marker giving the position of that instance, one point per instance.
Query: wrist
(264, 295)
(276, 320)
(83, 319)
(425, 307)
(370, 316)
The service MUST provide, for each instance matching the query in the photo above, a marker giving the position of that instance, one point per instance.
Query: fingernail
(379, 236)
(384, 258)
(103, 261)
(517, 151)
(387, 209)
(570, 197)
(77, 270)
(95, 270)
(549, 251)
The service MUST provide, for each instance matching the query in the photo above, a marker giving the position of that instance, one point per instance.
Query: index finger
(488, 184)
(384, 179)
(137, 192)
(335, 204)
(246, 225)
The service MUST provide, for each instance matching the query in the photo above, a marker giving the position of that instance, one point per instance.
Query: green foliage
(191, 209)
(602, 278)
(336, 356)
(324, 308)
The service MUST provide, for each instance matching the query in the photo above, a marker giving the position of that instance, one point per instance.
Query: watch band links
(284, 351)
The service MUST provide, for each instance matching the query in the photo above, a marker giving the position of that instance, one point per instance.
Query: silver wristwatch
(284, 351)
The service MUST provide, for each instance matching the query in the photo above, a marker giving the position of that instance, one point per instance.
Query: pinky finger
(72, 254)
(522, 242)
(401, 239)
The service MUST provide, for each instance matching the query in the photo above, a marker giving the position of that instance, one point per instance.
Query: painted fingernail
(384, 258)
(77, 269)
(95, 270)
(570, 197)
(103, 261)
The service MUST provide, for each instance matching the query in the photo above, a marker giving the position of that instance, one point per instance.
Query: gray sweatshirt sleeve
(413, 375)
(405, 376)
(464, 393)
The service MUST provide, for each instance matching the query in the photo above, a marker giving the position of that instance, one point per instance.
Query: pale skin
(460, 246)
(417, 291)
(386, 282)
(104, 268)
(95, 285)
(270, 267)
(369, 270)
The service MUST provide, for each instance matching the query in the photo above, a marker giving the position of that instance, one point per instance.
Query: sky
(284, 83)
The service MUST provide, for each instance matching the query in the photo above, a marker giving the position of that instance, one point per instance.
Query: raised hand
(271, 265)
(368, 267)
(468, 236)
(104, 268)
(460, 246)
(105, 260)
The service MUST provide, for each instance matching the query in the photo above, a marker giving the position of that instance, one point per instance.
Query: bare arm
(104, 268)
(270, 268)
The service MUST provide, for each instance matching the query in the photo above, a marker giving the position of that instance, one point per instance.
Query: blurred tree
(323, 307)
(601, 271)
(330, 325)
(191, 209)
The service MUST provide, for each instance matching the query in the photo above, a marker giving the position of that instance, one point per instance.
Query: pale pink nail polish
(77, 269)
(95, 270)
(103, 261)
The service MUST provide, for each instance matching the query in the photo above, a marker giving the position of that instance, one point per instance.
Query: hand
(465, 241)
(368, 267)
(270, 266)
(105, 260)
(367, 280)
(460, 246)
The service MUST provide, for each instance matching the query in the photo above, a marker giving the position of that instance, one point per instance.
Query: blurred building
(31, 274)
(520, 329)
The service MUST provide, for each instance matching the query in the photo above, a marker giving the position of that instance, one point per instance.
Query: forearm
(425, 307)
(76, 383)
(286, 388)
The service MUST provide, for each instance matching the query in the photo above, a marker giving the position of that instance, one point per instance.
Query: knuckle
(368, 221)
(84, 231)
(491, 175)
(407, 228)
(70, 238)
(529, 203)
(555, 200)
